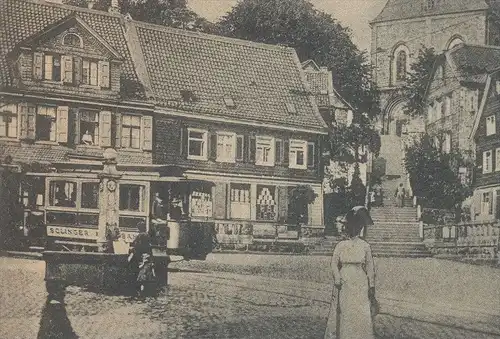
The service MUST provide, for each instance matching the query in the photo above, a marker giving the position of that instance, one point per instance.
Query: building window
(491, 126)
(89, 127)
(201, 202)
(62, 193)
(90, 195)
(240, 201)
(131, 197)
(401, 66)
(131, 131)
(52, 67)
(266, 203)
(264, 151)
(226, 145)
(46, 123)
(197, 144)
(90, 73)
(487, 162)
(298, 154)
(8, 121)
(72, 40)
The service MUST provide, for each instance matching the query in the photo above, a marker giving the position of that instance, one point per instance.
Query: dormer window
(229, 102)
(72, 40)
(89, 73)
(52, 67)
(188, 96)
(290, 108)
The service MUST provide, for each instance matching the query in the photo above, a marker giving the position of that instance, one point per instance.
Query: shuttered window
(46, 123)
(298, 154)
(131, 131)
(8, 120)
(265, 151)
(89, 127)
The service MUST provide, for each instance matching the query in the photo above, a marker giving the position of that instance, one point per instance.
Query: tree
(434, 175)
(314, 35)
(172, 13)
(418, 80)
(357, 190)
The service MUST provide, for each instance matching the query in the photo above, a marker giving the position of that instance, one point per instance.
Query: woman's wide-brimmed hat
(357, 218)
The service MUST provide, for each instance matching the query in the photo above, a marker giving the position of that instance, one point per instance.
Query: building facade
(232, 117)
(485, 133)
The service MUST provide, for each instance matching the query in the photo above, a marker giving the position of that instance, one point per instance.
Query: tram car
(61, 212)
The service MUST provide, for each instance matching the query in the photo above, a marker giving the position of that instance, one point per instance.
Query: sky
(354, 14)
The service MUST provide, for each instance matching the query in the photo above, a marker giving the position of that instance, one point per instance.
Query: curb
(21, 255)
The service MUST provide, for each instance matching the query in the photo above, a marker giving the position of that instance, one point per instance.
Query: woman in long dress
(354, 279)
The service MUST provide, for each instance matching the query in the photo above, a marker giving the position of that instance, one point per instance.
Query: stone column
(108, 198)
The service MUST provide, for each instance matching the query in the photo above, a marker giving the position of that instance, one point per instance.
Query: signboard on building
(83, 233)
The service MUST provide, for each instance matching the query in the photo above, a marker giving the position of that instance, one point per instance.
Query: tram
(61, 210)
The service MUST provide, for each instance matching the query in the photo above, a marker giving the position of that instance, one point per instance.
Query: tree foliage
(434, 175)
(172, 13)
(418, 79)
(314, 35)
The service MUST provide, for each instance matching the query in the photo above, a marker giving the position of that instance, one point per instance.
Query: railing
(478, 240)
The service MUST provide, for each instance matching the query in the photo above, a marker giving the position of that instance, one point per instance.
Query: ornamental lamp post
(108, 199)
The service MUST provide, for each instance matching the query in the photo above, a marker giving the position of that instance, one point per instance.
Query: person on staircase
(400, 195)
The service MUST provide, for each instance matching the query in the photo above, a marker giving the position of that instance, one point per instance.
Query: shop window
(266, 203)
(52, 67)
(8, 121)
(298, 154)
(62, 193)
(90, 195)
(131, 131)
(491, 126)
(240, 201)
(131, 197)
(226, 145)
(46, 123)
(197, 144)
(265, 148)
(201, 202)
(89, 128)
(487, 162)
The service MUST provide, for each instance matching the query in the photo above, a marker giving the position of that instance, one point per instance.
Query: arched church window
(401, 65)
(72, 40)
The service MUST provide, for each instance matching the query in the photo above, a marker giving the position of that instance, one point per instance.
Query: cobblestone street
(267, 297)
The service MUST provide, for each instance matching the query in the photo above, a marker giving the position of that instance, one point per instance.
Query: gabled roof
(407, 9)
(492, 78)
(261, 79)
(468, 63)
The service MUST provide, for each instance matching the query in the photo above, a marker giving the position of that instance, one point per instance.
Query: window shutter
(286, 153)
(283, 204)
(77, 70)
(212, 145)
(105, 128)
(147, 133)
(67, 69)
(76, 126)
(184, 141)
(104, 74)
(62, 124)
(278, 151)
(240, 152)
(252, 149)
(28, 121)
(220, 200)
(117, 126)
(38, 66)
(490, 207)
(311, 154)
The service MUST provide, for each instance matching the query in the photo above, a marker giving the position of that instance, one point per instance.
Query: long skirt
(350, 315)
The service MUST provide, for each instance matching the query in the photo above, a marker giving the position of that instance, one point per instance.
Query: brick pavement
(202, 305)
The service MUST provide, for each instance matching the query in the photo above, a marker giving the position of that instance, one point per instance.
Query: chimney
(115, 7)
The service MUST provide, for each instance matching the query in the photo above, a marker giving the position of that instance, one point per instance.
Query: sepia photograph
(254, 169)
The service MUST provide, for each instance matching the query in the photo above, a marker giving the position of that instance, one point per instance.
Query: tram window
(62, 193)
(90, 195)
(131, 197)
(33, 191)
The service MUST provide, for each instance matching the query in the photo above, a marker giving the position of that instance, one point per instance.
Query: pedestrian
(141, 261)
(353, 301)
(400, 195)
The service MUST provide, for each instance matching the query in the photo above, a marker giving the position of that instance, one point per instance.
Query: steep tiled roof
(474, 62)
(261, 79)
(406, 9)
(20, 20)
